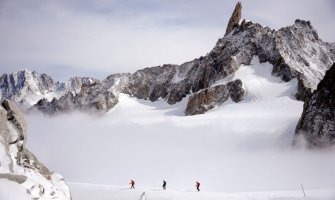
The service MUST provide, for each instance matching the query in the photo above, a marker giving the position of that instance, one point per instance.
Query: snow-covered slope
(87, 191)
(260, 85)
(20, 166)
(12, 191)
(235, 147)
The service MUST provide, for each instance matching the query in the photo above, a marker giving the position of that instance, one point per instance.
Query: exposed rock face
(332, 48)
(19, 165)
(23, 86)
(91, 97)
(236, 90)
(303, 92)
(26, 87)
(208, 98)
(235, 18)
(75, 84)
(317, 122)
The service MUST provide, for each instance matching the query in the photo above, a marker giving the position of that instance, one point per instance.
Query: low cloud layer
(97, 38)
(234, 149)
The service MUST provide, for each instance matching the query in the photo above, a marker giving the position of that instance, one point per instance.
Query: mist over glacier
(233, 148)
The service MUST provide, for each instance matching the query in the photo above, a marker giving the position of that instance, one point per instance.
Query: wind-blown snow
(236, 147)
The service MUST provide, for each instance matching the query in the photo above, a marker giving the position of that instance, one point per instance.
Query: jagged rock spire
(235, 18)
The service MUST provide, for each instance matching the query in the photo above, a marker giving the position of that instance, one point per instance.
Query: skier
(198, 186)
(164, 185)
(132, 183)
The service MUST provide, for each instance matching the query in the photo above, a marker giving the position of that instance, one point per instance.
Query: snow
(260, 85)
(102, 192)
(179, 76)
(8, 188)
(234, 148)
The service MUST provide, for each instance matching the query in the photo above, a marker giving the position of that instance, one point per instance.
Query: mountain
(317, 122)
(19, 165)
(27, 87)
(296, 52)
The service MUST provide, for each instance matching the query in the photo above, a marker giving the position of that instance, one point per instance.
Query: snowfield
(12, 191)
(100, 192)
(234, 150)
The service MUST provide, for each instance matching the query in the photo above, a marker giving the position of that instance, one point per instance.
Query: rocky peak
(19, 165)
(22, 86)
(295, 52)
(75, 84)
(317, 122)
(235, 18)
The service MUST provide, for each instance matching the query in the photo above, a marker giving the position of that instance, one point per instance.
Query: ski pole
(302, 187)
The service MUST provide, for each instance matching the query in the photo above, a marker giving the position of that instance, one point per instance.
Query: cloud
(232, 148)
(98, 38)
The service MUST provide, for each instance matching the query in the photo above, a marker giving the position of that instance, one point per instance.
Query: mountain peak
(25, 70)
(235, 18)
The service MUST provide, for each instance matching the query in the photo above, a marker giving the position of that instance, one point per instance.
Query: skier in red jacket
(197, 184)
(132, 183)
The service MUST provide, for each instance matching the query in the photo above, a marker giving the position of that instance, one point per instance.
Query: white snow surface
(10, 190)
(233, 149)
(102, 192)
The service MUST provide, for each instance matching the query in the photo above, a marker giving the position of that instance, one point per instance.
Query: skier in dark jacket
(132, 183)
(164, 185)
(197, 184)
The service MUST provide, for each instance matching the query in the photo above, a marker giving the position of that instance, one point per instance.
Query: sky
(97, 38)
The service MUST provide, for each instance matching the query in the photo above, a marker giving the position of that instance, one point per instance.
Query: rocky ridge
(317, 122)
(92, 97)
(25, 86)
(296, 52)
(19, 165)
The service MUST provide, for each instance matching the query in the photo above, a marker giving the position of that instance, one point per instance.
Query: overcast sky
(96, 38)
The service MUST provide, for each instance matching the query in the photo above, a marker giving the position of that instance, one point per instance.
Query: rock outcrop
(91, 97)
(317, 122)
(18, 164)
(235, 18)
(208, 98)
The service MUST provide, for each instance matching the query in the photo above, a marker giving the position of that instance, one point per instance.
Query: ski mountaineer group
(132, 185)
